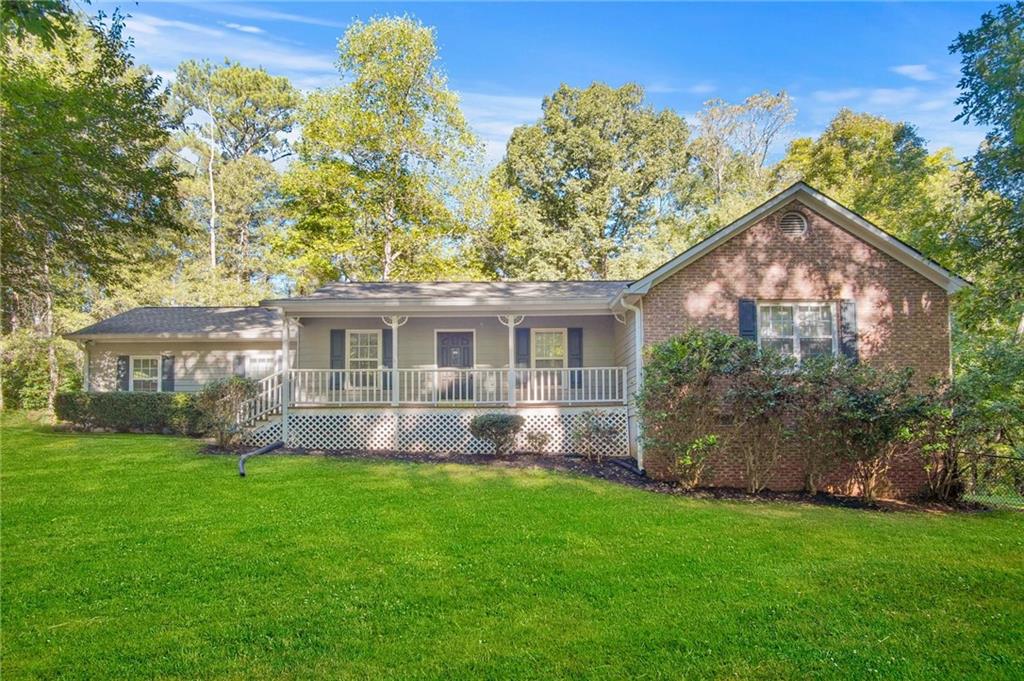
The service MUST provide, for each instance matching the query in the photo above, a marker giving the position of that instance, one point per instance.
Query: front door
(455, 352)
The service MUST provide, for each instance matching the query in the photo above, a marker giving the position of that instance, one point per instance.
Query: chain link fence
(994, 480)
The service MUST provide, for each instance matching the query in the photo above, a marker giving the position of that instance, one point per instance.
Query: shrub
(854, 413)
(498, 429)
(537, 441)
(760, 396)
(219, 402)
(680, 402)
(592, 434)
(130, 412)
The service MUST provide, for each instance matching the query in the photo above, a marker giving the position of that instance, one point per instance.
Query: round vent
(793, 224)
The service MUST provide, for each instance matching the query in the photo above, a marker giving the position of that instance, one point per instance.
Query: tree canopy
(371, 193)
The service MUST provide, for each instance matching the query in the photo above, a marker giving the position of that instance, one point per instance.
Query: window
(364, 353)
(145, 375)
(801, 330)
(549, 348)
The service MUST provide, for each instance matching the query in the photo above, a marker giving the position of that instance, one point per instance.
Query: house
(406, 365)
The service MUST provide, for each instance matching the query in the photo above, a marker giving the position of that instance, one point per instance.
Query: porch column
(286, 382)
(393, 323)
(511, 321)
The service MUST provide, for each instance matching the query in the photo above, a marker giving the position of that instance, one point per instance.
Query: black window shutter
(574, 343)
(848, 329)
(748, 319)
(122, 372)
(337, 355)
(522, 347)
(387, 354)
(167, 373)
(337, 348)
(239, 368)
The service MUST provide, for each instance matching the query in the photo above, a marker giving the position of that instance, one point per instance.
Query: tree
(83, 196)
(883, 170)
(49, 21)
(372, 193)
(229, 116)
(992, 94)
(731, 154)
(587, 183)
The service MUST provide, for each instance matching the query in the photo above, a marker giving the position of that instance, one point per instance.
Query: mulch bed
(623, 472)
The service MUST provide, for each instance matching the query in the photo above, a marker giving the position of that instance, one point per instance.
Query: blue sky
(887, 58)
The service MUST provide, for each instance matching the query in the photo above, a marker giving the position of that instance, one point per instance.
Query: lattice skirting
(441, 431)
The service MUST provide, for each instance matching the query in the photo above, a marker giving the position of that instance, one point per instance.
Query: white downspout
(638, 367)
(286, 369)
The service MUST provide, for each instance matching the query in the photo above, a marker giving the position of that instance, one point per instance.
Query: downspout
(638, 367)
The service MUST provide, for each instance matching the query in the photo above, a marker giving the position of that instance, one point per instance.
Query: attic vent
(793, 224)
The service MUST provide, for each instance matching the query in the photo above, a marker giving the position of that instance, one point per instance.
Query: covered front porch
(408, 366)
(398, 360)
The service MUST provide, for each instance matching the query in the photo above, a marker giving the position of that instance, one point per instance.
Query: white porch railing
(267, 401)
(342, 387)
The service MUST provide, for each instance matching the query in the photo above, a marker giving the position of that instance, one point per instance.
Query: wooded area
(229, 185)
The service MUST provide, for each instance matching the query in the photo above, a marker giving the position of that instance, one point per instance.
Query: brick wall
(902, 318)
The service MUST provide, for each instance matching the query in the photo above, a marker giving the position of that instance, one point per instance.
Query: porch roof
(462, 297)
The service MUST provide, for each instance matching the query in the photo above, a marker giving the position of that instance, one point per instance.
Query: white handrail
(267, 400)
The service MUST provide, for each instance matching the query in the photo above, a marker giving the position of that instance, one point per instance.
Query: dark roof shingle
(243, 322)
(340, 290)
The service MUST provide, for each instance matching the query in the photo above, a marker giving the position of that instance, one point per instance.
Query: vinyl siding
(416, 338)
(196, 363)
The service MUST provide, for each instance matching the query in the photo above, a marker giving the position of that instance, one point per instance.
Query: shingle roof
(219, 322)
(600, 290)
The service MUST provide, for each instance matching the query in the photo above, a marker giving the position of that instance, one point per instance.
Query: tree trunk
(213, 193)
(51, 345)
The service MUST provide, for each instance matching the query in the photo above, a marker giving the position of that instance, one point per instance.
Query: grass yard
(136, 556)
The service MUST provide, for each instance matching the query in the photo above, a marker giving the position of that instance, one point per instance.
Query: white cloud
(662, 88)
(151, 25)
(164, 43)
(250, 12)
(244, 28)
(494, 117)
(700, 89)
(919, 72)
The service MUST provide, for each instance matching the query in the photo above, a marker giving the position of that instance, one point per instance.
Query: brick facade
(902, 317)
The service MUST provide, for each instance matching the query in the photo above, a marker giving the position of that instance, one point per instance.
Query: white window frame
(351, 381)
(159, 372)
(796, 322)
(565, 347)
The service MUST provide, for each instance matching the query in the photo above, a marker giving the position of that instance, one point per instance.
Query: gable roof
(187, 323)
(827, 207)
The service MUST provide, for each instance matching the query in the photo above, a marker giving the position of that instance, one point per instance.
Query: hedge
(131, 412)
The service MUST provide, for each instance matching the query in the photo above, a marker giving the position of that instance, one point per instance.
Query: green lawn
(136, 556)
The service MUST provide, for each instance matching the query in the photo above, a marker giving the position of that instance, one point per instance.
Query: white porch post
(85, 366)
(286, 367)
(511, 321)
(393, 323)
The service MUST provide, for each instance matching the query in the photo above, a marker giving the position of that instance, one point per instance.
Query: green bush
(498, 429)
(219, 403)
(131, 412)
(856, 414)
(759, 397)
(680, 403)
